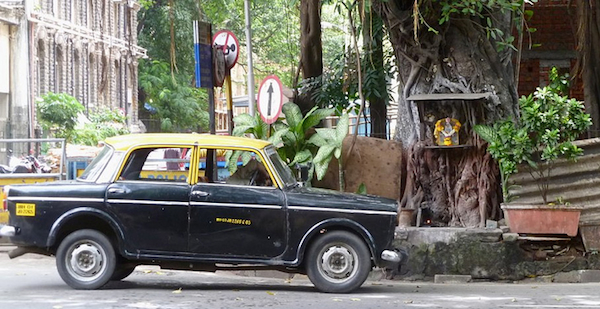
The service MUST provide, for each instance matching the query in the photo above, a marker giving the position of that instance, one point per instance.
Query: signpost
(228, 42)
(270, 99)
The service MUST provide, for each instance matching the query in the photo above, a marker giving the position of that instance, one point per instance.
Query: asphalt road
(31, 281)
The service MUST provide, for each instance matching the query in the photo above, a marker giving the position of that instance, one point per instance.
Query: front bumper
(7, 231)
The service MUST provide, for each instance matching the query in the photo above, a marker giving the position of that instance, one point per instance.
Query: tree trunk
(375, 82)
(588, 64)
(311, 49)
(456, 186)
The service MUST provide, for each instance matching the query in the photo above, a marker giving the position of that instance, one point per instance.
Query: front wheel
(338, 262)
(86, 260)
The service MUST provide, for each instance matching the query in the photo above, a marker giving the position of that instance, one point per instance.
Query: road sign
(270, 99)
(202, 54)
(231, 47)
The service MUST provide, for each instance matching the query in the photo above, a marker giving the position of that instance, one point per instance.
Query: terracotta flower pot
(542, 219)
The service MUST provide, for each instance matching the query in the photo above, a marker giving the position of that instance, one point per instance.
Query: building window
(41, 70)
(76, 76)
(58, 78)
(92, 86)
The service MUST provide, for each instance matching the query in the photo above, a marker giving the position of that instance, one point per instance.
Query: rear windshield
(94, 169)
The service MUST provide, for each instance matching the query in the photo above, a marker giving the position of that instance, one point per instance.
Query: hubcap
(337, 263)
(86, 260)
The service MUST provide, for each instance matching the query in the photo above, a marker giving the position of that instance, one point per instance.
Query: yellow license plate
(27, 210)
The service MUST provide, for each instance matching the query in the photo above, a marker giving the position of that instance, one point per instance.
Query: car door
(236, 210)
(151, 199)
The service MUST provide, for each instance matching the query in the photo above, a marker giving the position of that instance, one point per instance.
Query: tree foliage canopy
(166, 79)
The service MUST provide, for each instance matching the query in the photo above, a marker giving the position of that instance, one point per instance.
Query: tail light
(3, 195)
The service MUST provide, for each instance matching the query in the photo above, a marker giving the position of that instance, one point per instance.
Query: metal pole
(229, 103)
(251, 96)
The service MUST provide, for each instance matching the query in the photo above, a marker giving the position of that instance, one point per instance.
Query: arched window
(92, 82)
(59, 72)
(76, 76)
(40, 59)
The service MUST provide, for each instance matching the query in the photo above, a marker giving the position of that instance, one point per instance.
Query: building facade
(86, 48)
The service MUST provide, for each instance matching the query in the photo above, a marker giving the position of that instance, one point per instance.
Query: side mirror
(303, 171)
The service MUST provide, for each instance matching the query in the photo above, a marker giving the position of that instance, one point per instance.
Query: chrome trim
(352, 211)
(209, 184)
(7, 231)
(147, 202)
(54, 199)
(237, 205)
(391, 256)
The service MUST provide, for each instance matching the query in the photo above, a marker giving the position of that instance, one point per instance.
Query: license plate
(26, 210)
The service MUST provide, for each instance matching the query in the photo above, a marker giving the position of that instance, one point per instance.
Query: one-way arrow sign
(270, 99)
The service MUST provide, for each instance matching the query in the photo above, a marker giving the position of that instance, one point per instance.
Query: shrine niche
(445, 182)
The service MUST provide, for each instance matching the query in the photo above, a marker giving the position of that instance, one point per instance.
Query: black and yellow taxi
(198, 202)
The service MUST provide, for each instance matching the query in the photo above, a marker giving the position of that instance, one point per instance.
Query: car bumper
(7, 231)
(391, 259)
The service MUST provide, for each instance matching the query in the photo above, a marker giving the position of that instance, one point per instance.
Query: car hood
(317, 197)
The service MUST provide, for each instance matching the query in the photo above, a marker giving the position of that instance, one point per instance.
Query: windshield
(282, 169)
(95, 168)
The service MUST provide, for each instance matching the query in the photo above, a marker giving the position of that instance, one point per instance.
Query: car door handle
(200, 194)
(116, 190)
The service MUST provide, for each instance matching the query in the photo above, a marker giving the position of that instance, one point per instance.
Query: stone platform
(492, 254)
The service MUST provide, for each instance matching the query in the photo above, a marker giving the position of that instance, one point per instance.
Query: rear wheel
(122, 271)
(85, 260)
(338, 262)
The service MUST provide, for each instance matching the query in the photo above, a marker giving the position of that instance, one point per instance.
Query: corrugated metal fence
(577, 183)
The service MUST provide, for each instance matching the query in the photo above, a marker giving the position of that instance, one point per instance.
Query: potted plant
(548, 124)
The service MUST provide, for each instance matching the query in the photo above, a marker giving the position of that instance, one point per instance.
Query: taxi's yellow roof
(125, 142)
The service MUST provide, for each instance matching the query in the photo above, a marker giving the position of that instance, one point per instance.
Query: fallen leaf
(160, 273)
(337, 299)
(147, 271)
(558, 299)
(408, 301)
(514, 300)
(270, 293)
(355, 299)
(178, 291)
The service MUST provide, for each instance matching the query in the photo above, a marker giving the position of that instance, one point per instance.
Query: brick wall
(554, 44)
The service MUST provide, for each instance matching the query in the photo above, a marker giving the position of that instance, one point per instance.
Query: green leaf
(362, 189)
(302, 157)
(292, 113)
(317, 140)
(314, 118)
(342, 129)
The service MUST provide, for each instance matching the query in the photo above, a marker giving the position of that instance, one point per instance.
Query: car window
(157, 164)
(236, 167)
(282, 169)
(94, 169)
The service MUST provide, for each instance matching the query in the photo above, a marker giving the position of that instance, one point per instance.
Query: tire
(86, 260)
(338, 262)
(122, 271)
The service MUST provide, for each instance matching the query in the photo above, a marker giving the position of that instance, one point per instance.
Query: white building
(86, 48)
